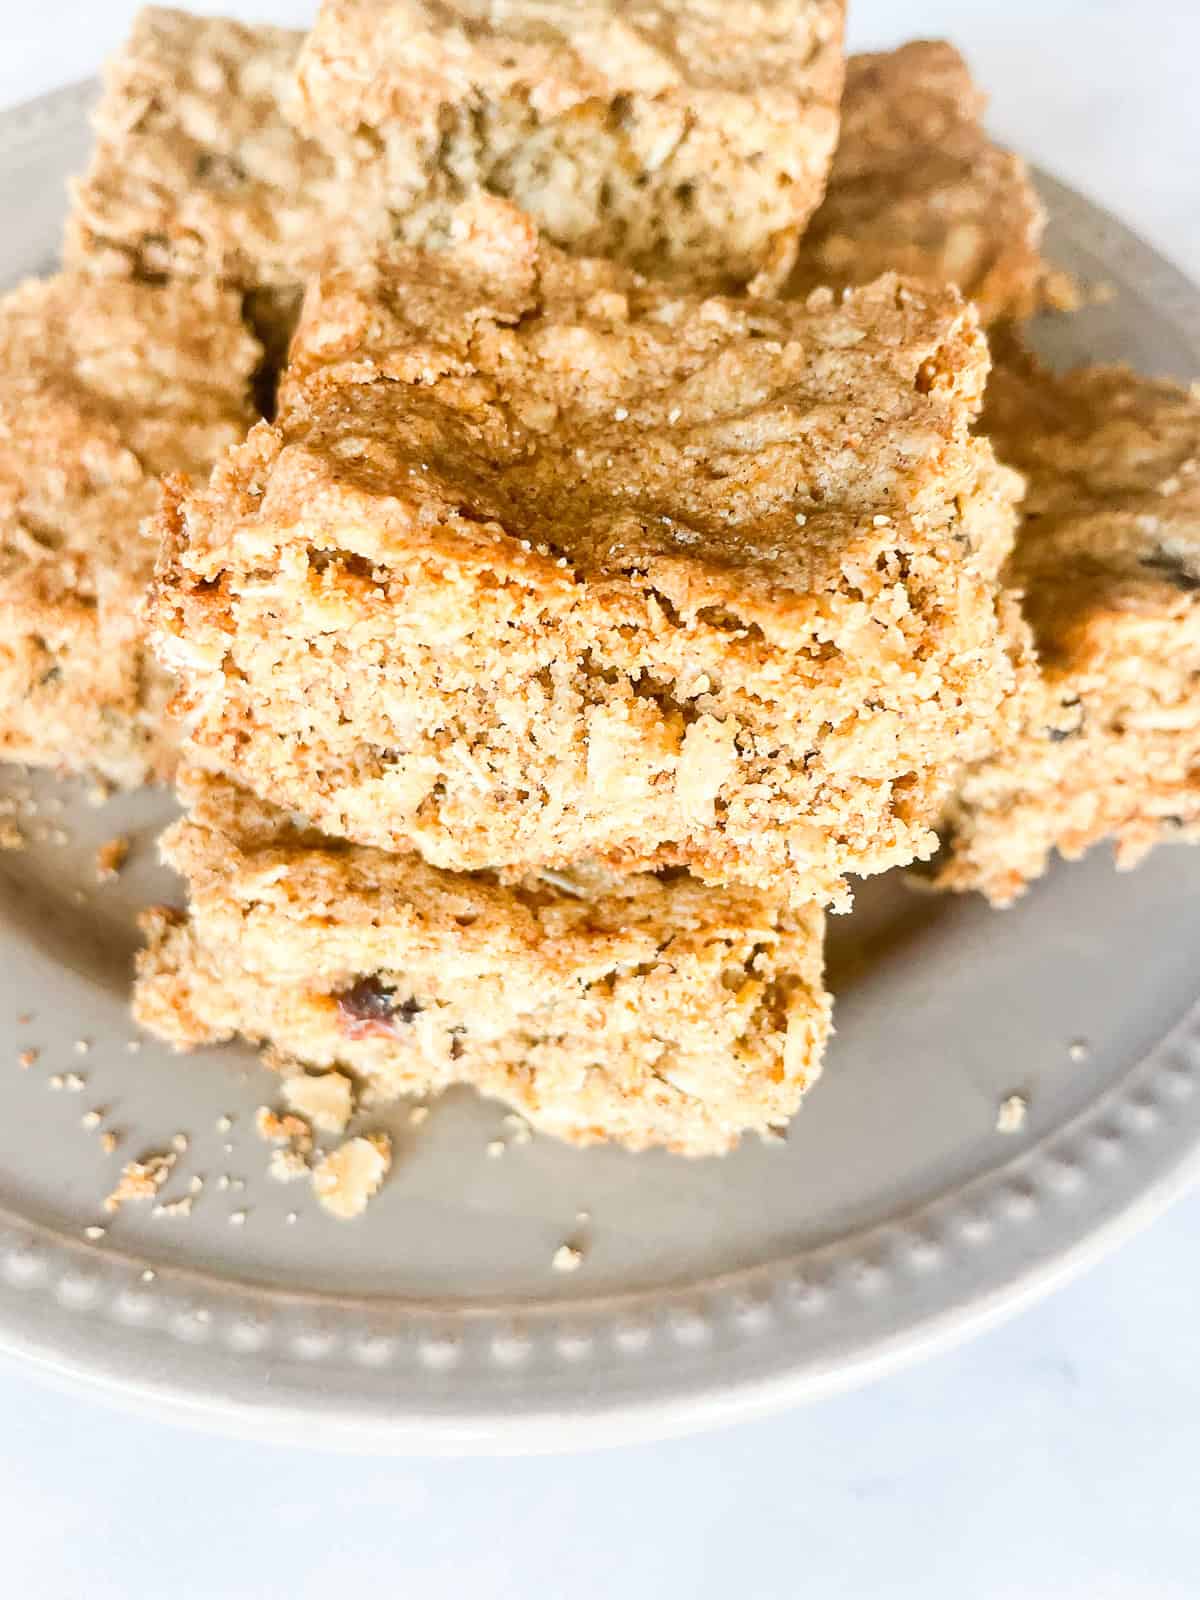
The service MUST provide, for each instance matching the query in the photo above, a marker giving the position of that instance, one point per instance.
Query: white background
(1056, 1457)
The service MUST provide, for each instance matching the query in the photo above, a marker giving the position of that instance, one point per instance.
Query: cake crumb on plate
(1010, 1118)
(347, 1178)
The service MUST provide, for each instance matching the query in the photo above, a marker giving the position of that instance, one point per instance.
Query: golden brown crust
(638, 1009)
(917, 187)
(543, 561)
(102, 386)
(372, 61)
(1108, 559)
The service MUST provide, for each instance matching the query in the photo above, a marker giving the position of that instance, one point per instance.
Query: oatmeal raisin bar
(102, 387)
(645, 1010)
(917, 187)
(1108, 557)
(545, 562)
(199, 168)
(197, 171)
(688, 140)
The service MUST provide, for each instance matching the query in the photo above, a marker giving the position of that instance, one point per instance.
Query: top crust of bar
(196, 169)
(372, 61)
(1111, 524)
(164, 371)
(545, 420)
(917, 187)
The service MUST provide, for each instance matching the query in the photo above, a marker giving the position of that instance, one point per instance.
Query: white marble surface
(1054, 1459)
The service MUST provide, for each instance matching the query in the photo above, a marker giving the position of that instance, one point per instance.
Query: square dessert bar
(646, 1010)
(102, 387)
(1108, 557)
(197, 172)
(917, 187)
(199, 168)
(544, 562)
(682, 138)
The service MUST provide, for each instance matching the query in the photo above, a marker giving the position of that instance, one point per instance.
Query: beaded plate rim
(495, 1376)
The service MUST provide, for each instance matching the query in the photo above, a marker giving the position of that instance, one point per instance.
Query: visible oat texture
(1108, 557)
(918, 187)
(543, 562)
(102, 387)
(689, 140)
(197, 172)
(199, 169)
(645, 1010)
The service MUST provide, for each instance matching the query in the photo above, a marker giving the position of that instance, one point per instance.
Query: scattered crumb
(567, 1258)
(133, 1046)
(73, 1083)
(1079, 1050)
(94, 1231)
(345, 1180)
(195, 1184)
(582, 1218)
(327, 1101)
(228, 1148)
(26, 1059)
(140, 1180)
(495, 1148)
(285, 1166)
(82, 1046)
(292, 1216)
(149, 1275)
(111, 857)
(224, 1124)
(417, 1115)
(1061, 291)
(91, 1120)
(223, 1182)
(179, 1142)
(174, 1208)
(275, 1129)
(99, 793)
(237, 1219)
(24, 1019)
(519, 1129)
(56, 1081)
(1010, 1118)
(108, 1142)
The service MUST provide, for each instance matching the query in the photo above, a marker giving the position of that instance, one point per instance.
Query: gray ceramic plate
(894, 1218)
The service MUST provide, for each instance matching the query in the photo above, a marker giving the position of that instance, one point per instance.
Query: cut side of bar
(102, 387)
(1108, 558)
(688, 141)
(645, 1010)
(543, 563)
